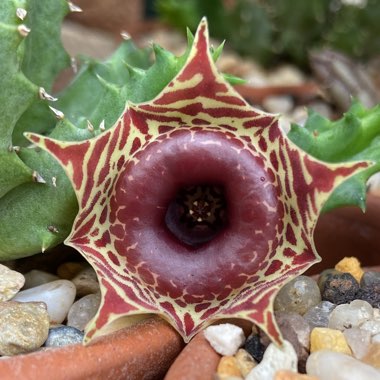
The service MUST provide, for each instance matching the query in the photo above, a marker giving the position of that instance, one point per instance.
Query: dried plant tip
(21, 13)
(23, 30)
(57, 113)
(74, 8)
(45, 96)
(90, 127)
(125, 35)
(54, 181)
(37, 177)
(14, 148)
(53, 229)
(102, 126)
(74, 65)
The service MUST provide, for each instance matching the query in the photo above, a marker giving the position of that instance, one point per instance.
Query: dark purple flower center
(197, 214)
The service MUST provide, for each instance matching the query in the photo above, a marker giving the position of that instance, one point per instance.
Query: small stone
(350, 265)
(369, 279)
(285, 374)
(225, 338)
(275, 358)
(244, 361)
(69, 270)
(86, 282)
(10, 283)
(298, 295)
(83, 310)
(228, 367)
(63, 336)
(38, 277)
(372, 357)
(350, 315)
(254, 347)
(278, 104)
(296, 330)
(372, 326)
(24, 327)
(318, 315)
(58, 296)
(327, 365)
(371, 294)
(322, 338)
(376, 338)
(358, 340)
(323, 277)
(340, 288)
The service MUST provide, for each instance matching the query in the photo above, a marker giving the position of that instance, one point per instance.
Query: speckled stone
(296, 330)
(275, 358)
(350, 315)
(38, 277)
(370, 278)
(327, 365)
(58, 296)
(10, 283)
(228, 367)
(340, 288)
(322, 338)
(83, 310)
(254, 347)
(350, 265)
(244, 361)
(298, 295)
(318, 315)
(370, 293)
(23, 327)
(323, 277)
(63, 336)
(358, 340)
(86, 282)
(225, 338)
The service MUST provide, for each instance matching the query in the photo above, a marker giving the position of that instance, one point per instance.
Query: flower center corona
(197, 214)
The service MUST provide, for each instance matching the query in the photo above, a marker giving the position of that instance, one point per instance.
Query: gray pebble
(63, 336)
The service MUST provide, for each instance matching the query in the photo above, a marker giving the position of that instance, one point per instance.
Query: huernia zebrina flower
(194, 205)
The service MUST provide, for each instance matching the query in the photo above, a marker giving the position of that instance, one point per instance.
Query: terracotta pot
(144, 351)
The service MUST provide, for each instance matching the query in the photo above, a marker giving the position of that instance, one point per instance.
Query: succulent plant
(193, 205)
(283, 29)
(31, 57)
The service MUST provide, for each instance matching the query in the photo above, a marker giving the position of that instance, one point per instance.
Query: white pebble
(350, 315)
(58, 296)
(225, 338)
(278, 104)
(83, 310)
(358, 340)
(372, 326)
(275, 358)
(329, 365)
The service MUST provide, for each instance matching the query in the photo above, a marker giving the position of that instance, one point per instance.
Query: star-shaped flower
(194, 205)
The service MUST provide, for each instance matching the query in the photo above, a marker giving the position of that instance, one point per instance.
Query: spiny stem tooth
(37, 177)
(125, 35)
(90, 127)
(102, 126)
(57, 113)
(74, 8)
(21, 13)
(53, 229)
(74, 65)
(54, 181)
(45, 96)
(23, 30)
